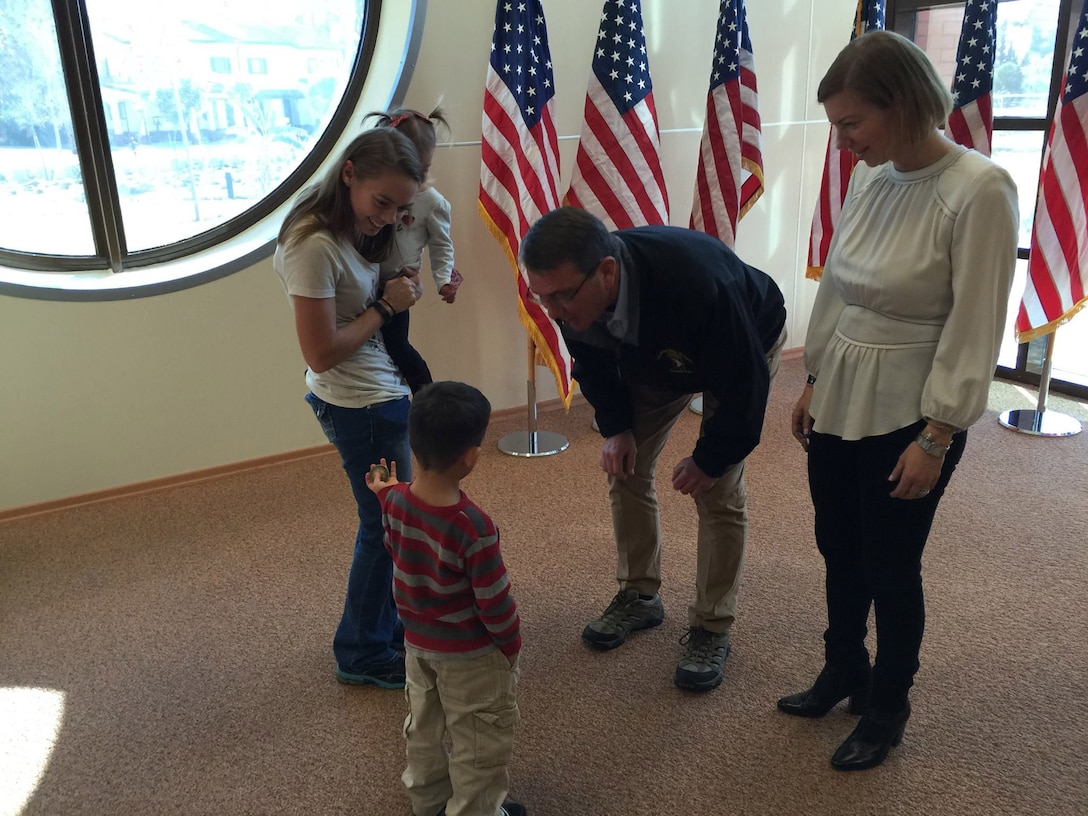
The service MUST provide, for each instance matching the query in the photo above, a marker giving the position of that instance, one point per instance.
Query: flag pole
(1041, 422)
(532, 442)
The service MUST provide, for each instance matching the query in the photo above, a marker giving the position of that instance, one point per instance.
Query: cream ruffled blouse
(908, 319)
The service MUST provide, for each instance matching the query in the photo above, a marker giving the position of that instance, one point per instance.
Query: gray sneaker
(703, 664)
(627, 613)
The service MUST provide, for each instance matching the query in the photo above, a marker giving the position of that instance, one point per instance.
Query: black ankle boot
(832, 686)
(876, 733)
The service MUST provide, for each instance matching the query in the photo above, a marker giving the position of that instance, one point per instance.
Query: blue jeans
(363, 436)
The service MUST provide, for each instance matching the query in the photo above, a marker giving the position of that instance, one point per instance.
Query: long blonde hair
(326, 205)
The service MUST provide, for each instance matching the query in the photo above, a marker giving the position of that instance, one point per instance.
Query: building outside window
(184, 153)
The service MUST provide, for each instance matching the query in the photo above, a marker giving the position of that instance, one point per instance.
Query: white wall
(98, 395)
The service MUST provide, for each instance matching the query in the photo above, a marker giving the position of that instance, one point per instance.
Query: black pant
(872, 546)
(407, 359)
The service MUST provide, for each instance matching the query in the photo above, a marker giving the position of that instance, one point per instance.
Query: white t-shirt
(908, 319)
(321, 267)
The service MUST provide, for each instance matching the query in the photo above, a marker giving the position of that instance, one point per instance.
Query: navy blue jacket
(706, 321)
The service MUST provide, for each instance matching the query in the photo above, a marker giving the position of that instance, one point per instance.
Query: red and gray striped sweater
(449, 580)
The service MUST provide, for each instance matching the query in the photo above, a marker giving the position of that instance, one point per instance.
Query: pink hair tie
(396, 120)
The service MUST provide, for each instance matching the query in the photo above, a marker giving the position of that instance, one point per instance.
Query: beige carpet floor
(170, 653)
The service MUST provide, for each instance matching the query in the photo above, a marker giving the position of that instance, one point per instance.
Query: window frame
(221, 250)
(1033, 351)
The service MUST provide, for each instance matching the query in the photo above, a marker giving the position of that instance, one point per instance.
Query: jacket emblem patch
(676, 362)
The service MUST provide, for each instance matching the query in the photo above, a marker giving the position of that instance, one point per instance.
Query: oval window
(195, 121)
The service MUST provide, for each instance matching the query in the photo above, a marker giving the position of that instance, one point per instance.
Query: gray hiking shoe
(627, 613)
(703, 664)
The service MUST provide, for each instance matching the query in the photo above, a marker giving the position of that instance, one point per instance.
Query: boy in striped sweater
(461, 627)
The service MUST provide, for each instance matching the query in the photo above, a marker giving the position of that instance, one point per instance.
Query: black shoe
(876, 733)
(508, 809)
(830, 688)
(385, 675)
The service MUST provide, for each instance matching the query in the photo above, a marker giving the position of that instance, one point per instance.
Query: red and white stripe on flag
(838, 164)
(729, 177)
(972, 125)
(971, 122)
(1058, 264)
(519, 168)
(617, 173)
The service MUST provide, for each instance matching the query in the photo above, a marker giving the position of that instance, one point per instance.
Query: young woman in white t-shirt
(328, 255)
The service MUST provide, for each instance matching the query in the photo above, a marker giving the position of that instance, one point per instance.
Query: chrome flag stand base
(533, 442)
(1039, 421)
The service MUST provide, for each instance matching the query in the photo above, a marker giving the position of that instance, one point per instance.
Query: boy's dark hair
(445, 420)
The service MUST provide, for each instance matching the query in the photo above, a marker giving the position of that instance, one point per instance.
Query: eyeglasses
(562, 298)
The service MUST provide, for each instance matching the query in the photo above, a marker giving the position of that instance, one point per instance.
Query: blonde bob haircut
(889, 71)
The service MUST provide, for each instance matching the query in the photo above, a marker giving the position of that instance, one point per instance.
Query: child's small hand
(411, 274)
(382, 476)
(449, 291)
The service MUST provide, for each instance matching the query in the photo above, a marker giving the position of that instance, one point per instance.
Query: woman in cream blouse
(901, 349)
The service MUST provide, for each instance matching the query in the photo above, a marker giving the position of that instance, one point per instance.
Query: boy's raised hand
(382, 475)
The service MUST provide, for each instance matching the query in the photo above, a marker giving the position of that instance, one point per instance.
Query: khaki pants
(723, 512)
(475, 702)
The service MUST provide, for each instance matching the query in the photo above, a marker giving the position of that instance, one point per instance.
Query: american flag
(617, 173)
(838, 164)
(1058, 265)
(729, 179)
(971, 122)
(519, 170)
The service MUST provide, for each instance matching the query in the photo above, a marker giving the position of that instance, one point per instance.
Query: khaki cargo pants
(473, 700)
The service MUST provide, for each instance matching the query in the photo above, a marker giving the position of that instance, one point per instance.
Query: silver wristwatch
(931, 446)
